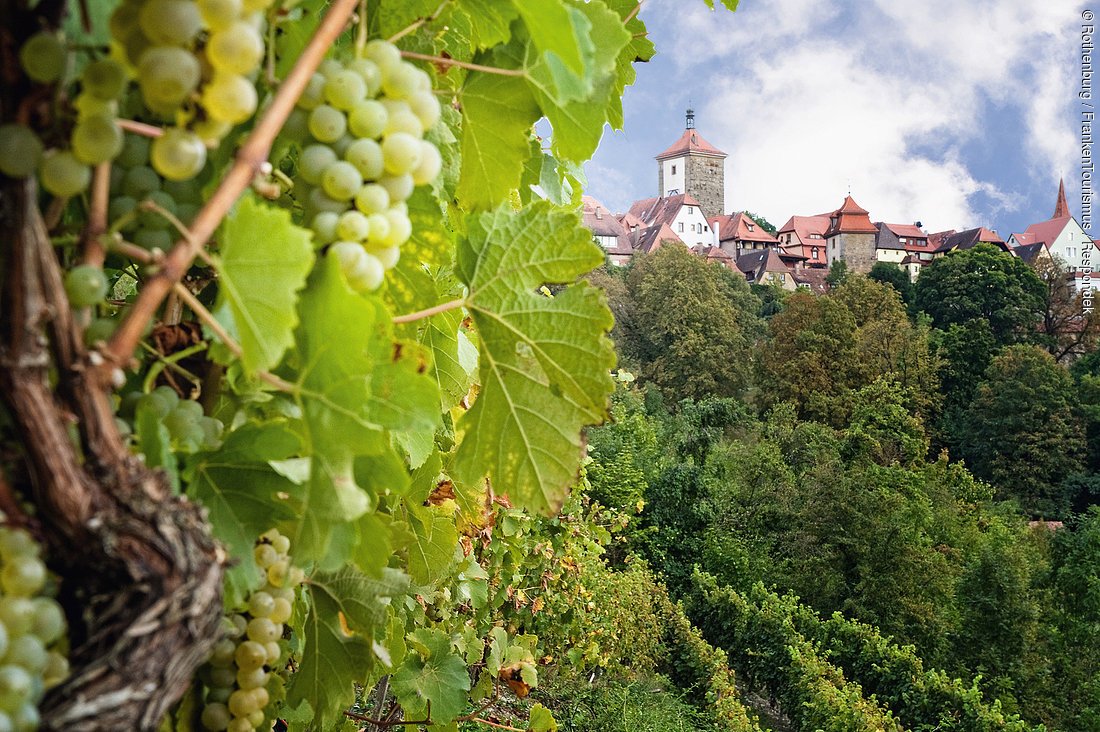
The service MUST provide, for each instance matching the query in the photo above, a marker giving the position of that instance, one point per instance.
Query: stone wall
(858, 251)
(706, 182)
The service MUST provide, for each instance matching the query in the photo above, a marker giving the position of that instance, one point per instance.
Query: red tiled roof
(735, 227)
(1048, 231)
(598, 219)
(629, 220)
(935, 241)
(970, 238)
(812, 278)
(690, 142)
(652, 238)
(1024, 238)
(804, 226)
(909, 231)
(661, 210)
(851, 218)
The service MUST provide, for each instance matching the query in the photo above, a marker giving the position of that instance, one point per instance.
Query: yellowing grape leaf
(263, 261)
(545, 362)
(432, 672)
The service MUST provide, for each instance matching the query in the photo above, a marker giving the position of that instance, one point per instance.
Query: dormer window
(751, 227)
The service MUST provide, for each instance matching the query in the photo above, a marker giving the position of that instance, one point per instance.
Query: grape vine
(341, 222)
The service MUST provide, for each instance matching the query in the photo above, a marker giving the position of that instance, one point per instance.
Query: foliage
(891, 274)
(838, 273)
(1068, 329)
(1022, 432)
(764, 223)
(689, 316)
(982, 282)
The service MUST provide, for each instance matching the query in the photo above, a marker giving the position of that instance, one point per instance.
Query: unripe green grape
(151, 218)
(250, 655)
(366, 156)
(329, 66)
(85, 285)
(382, 53)
(260, 696)
(297, 125)
(426, 108)
(223, 676)
(431, 163)
(220, 14)
(96, 139)
(352, 226)
(17, 543)
(57, 669)
(252, 678)
(240, 724)
(313, 161)
(318, 201)
(215, 717)
(135, 151)
(370, 73)
(313, 95)
(123, 22)
(140, 182)
(341, 146)
(341, 181)
(400, 187)
(281, 543)
(104, 79)
(400, 228)
(99, 330)
(16, 686)
(277, 572)
(151, 239)
(401, 81)
(167, 76)
(170, 22)
(260, 605)
(17, 615)
(379, 230)
(400, 153)
(43, 57)
(222, 655)
(211, 432)
(368, 274)
(242, 703)
(211, 131)
(26, 718)
(274, 652)
(368, 118)
(186, 212)
(265, 555)
(238, 49)
(324, 227)
(28, 652)
(327, 124)
(178, 154)
(62, 174)
(388, 256)
(345, 89)
(295, 576)
(256, 718)
(4, 640)
(218, 695)
(183, 191)
(403, 120)
(255, 6)
(49, 621)
(86, 106)
(20, 151)
(230, 98)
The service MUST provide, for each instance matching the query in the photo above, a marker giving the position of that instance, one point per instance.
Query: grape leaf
(731, 5)
(497, 114)
(544, 362)
(332, 660)
(239, 488)
(541, 720)
(259, 276)
(553, 26)
(155, 444)
(433, 545)
(489, 20)
(640, 49)
(396, 15)
(434, 672)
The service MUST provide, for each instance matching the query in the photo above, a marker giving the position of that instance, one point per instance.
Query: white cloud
(810, 98)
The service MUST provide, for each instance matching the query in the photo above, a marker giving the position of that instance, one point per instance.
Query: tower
(851, 237)
(1061, 208)
(695, 167)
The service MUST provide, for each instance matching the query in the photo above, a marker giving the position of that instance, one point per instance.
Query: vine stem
(463, 64)
(429, 312)
(249, 162)
(418, 23)
(93, 250)
(497, 725)
(633, 12)
(140, 128)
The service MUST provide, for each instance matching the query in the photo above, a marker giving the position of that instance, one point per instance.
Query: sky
(954, 113)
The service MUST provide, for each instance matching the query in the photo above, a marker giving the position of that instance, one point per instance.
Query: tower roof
(691, 142)
(850, 218)
(1061, 208)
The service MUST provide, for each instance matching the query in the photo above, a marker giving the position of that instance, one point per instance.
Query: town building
(738, 233)
(693, 166)
(851, 237)
(1061, 236)
(805, 235)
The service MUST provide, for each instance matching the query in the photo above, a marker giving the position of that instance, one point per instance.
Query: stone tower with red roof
(693, 166)
(851, 237)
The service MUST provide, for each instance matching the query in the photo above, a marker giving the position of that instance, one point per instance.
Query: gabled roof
(1048, 231)
(1023, 238)
(651, 239)
(662, 209)
(890, 237)
(803, 226)
(598, 219)
(691, 142)
(756, 264)
(970, 238)
(629, 221)
(812, 278)
(715, 254)
(1030, 252)
(740, 227)
(935, 241)
(909, 231)
(850, 218)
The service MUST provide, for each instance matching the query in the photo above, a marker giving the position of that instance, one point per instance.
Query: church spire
(1061, 209)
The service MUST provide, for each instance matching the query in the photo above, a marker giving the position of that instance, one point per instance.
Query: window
(691, 209)
(674, 170)
(814, 252)
(751, 227)
(681, 227)
(693, 228)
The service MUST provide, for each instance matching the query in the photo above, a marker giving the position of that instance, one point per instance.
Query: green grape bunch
(361, 126)
(32, 632)
(243, 672)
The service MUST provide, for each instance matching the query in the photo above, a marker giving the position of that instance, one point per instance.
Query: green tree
(1022, 432)
(982, 282)
(891, 274)
(764, 223)
(838, 273)
(695, 325)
